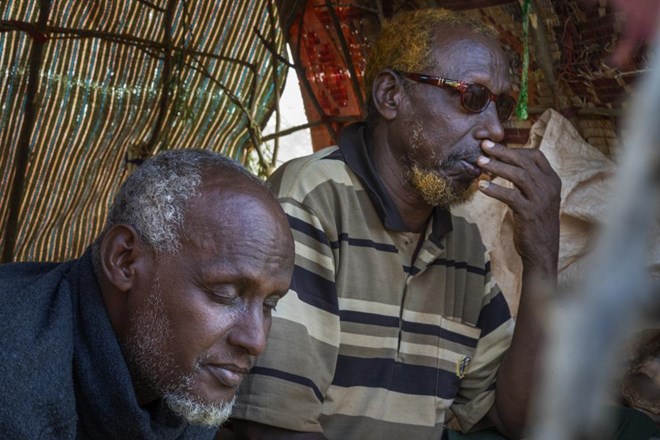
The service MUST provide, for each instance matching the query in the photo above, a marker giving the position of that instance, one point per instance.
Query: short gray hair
(153, 199)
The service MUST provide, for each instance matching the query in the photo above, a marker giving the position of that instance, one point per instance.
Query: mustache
(470, 156)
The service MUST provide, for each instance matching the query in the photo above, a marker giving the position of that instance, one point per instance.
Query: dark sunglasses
(474, 97)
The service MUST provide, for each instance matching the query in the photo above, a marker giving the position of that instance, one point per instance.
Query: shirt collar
(355, 146)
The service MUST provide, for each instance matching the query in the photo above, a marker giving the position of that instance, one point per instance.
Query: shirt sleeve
(287, 386)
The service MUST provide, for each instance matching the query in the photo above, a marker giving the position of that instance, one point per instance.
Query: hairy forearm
(535, 203)
(519, 372)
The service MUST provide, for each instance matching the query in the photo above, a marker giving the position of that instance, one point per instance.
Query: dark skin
(217, 291)
(534, 199)
(426, 126)
(446, 128)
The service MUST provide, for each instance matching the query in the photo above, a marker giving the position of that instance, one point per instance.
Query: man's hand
(534, 200)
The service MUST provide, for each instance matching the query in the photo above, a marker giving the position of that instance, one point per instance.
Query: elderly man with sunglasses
(393, 327)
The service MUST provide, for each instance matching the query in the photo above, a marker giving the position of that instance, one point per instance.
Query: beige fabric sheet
(587, 178)
(587, 181)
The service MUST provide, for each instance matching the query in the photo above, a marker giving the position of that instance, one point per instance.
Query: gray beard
(199, 413)
(152, 367)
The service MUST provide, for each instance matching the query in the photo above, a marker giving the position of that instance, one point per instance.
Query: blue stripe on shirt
(493, 314)
(290, 378)
(314, 290)
(443, 333)
(369, 318)
(309, 230)
(459, 265)
(409, 327)
(360, 242)
(395, 376)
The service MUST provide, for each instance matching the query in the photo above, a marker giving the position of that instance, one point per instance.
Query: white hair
(154, 197)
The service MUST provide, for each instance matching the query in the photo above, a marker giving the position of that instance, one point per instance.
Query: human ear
(122, 255)
(387, 92)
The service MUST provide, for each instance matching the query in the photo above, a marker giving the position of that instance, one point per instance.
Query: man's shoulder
(329, 158)
(25, 272)
(20, 282)
(304, 174)
(36, 337)
(36, 308)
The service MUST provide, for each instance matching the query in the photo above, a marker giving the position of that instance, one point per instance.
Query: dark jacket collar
(106, 401)
(355, 145)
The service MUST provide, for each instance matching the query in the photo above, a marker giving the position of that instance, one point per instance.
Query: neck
(414, 211)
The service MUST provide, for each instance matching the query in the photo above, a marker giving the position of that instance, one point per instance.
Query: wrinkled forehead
(237, 232)
(462, 54)
(233, 207)
(234, 198)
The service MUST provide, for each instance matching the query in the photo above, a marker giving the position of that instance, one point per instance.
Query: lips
(470, 168)
(228, 375)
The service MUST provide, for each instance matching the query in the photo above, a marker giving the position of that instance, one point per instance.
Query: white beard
(199, 413)
(149, 361)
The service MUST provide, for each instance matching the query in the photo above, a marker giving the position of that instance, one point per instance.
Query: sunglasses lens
(505, 105)
(476, 98)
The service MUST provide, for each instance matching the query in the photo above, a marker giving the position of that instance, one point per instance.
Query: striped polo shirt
(375, 340)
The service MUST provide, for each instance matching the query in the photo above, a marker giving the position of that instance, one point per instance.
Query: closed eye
(225, 294)
(270, 304)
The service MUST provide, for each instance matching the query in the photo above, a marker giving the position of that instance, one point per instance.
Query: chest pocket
(457, 344)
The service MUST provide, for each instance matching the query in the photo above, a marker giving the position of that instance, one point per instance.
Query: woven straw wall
(91, 88)
(114, 82)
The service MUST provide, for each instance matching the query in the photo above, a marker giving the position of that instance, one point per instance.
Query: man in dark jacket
(150, 332)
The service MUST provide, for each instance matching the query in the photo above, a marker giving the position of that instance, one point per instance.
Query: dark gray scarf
(63, 373)
(106, 401)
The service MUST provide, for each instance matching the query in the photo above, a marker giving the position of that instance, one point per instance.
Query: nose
(251, 330)
(490, 126)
